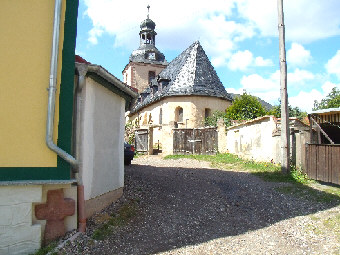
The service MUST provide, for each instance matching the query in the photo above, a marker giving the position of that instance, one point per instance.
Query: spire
(147, 51)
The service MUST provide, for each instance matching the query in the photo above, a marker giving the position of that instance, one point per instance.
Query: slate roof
(141, 55)
(190, 73)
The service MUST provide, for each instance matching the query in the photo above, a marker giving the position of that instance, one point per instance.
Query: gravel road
(186, 207)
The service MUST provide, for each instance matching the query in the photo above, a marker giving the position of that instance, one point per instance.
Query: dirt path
(186, 207)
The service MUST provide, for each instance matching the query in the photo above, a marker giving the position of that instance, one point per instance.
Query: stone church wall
(193, 115)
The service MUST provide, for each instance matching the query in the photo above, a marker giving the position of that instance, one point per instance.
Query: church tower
(147, 61)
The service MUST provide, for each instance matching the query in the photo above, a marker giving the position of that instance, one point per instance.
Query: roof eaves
(329, 110)
(110, 78)
(250, 122)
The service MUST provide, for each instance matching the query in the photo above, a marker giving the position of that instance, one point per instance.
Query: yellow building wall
(25, 50)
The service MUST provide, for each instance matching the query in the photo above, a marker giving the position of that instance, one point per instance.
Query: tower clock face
(152, 55)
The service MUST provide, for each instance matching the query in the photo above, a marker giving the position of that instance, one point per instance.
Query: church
(179, 94)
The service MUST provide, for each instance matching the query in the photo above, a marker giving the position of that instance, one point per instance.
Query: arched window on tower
(148, 39)
(179, 114)
(152, 75)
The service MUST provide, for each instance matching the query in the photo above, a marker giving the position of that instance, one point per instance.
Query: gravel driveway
(186, 207)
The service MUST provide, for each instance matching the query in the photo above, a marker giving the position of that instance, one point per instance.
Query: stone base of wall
(96, 204)
(20, 231)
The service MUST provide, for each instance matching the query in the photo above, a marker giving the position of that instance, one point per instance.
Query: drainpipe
(52, 89)
(82, 70)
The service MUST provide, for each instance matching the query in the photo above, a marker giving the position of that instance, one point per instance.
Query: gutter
(52, 90)
(109, 77)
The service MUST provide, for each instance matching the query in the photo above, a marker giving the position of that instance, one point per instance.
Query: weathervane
(148, 10)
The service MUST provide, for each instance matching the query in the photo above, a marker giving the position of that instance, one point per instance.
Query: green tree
(245, 107)
(332, 100)
(293, 111)
(211, 121)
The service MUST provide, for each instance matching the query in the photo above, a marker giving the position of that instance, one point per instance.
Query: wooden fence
(141, 140)
(323, 162)
(195, 141)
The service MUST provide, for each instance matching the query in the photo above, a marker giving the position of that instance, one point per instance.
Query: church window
(160, 116)
(179, 114)
(145, 119)
(148, 38)
(152, 55)
(152, 75)
(207, 113)
(150, 119)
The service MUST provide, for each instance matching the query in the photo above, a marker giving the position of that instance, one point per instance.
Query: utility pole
(285, 154)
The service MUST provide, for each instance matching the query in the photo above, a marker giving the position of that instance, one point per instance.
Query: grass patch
(267, 171)
(122, 217)
(47, 249)
(302, 186)
(309, 193)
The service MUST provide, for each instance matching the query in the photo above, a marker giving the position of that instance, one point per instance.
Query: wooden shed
(323, 151)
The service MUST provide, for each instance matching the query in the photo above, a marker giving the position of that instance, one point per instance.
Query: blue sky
(240, 38)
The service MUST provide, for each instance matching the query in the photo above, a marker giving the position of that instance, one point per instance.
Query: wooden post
(310, 129)
(285, 155)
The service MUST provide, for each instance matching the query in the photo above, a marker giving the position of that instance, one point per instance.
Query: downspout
(52, 89)
(82, 70)
(51, 110)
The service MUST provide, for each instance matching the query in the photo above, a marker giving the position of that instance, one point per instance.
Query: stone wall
(20, 231)
(253, 139)
(193, 115)
(260, 140)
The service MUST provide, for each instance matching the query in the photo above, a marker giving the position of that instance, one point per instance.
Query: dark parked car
(129, 153)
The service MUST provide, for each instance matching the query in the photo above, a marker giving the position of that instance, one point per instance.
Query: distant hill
(266, 106)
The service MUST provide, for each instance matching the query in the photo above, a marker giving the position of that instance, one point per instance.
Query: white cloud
(256, 83)
(333, 65)
(328, 86)
(299, 77)
(241, 60)
(297, 55)
(267, 89)
(235, 91)
(305, 20)
(94, 33)
(219, 26)
(305, 100)
(260, 61)
(175, 24)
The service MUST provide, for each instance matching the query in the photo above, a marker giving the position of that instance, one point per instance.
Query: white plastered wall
(253, 140)
(103, 141)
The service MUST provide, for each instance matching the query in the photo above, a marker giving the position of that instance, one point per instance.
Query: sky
(240, 37)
